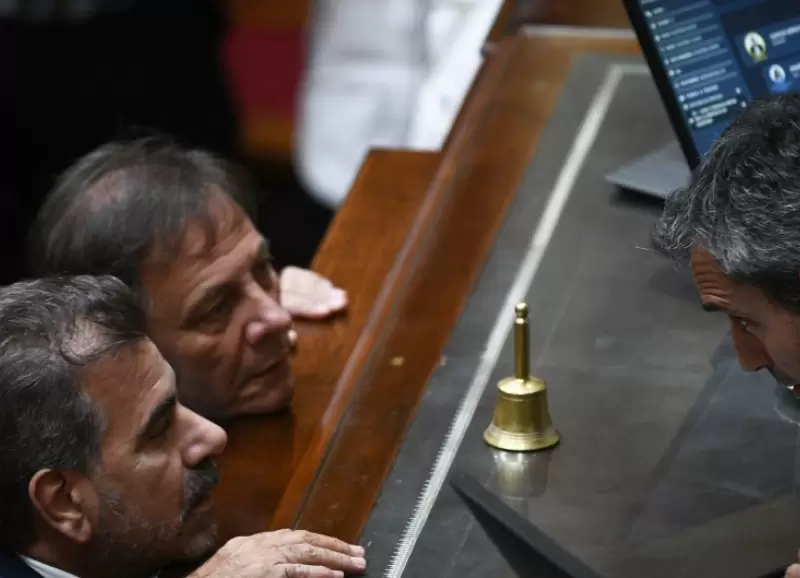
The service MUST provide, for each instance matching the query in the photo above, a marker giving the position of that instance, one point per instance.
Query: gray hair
(128, 202)
(742, 204)
(52, 329)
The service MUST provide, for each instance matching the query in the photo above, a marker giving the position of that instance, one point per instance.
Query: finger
(306, 308)
(303, 281)
(338, 299)
(793, 571)
(306, 293)
(329, 543)
(303, 571)
(317, 556)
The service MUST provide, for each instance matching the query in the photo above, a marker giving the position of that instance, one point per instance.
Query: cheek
(193, 351)
(206, 364)
(750, 349)
(160, 476)
(165, 475)
(783, 346)
(153, 483)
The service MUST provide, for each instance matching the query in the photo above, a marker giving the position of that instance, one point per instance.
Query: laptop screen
(711, 57)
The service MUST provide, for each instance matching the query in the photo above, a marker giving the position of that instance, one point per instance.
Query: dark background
(155, 69)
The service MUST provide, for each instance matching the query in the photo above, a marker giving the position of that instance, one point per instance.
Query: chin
(202, 545)
(257, 399)
(278, 399)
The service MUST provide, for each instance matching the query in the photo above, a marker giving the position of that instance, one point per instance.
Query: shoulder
(12, 567)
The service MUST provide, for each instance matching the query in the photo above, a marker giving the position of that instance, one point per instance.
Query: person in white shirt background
(383, 73)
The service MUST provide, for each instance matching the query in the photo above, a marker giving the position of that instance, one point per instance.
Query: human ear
(63, 499)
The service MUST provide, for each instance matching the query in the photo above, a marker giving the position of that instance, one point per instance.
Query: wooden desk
(408, 245)
(570, 13)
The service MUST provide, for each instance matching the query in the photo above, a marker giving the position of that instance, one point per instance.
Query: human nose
(268, 316)
(205, 439)
(749, 350)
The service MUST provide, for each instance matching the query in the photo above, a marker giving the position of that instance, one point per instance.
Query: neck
(55, 556)
(75, 561)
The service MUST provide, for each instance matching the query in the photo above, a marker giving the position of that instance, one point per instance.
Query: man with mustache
(179, 224)
(738, 224)
(104, 472)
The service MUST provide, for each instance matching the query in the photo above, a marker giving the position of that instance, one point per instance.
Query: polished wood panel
(272, 460)
(572, 16)
(592, 13)
(504, 25)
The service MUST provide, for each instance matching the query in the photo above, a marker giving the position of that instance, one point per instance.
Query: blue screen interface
(719, 55)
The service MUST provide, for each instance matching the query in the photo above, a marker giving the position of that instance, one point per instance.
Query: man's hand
(309, 295)
(284, 554)
(793, 571)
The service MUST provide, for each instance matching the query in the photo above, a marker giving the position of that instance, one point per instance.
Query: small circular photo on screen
(755, 46)
(777, 74)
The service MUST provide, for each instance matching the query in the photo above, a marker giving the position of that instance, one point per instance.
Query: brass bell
(521, 420)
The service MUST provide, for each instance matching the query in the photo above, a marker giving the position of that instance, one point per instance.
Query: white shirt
(367, 60)
(383, 74)
(46, 570)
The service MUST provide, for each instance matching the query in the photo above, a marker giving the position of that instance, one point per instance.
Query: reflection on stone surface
(787, 405)
(737, 450)
(520, 476)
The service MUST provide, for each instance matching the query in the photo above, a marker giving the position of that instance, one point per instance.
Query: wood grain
(590, 13)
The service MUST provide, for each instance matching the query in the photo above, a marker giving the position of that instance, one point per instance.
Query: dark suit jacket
(13, 567)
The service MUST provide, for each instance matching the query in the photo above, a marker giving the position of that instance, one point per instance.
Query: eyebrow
(717, 309)
(162, 411)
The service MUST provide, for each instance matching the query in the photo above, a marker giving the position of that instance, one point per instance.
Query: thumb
(793, 571)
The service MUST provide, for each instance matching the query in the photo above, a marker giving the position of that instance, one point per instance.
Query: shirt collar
(46, 570)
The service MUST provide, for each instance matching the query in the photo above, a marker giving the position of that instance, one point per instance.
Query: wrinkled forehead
(717, 290)
(205, 239)
(708, 274)
(124, 383)
(201, 235)
(207, 235)
(212, 252)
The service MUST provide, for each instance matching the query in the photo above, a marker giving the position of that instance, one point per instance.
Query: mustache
(200, 481)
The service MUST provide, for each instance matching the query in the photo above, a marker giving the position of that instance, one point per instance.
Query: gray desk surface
(673, 462)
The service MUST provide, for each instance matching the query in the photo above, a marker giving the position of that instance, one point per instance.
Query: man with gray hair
(738, 224)
(103, 471)
(178, 223)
